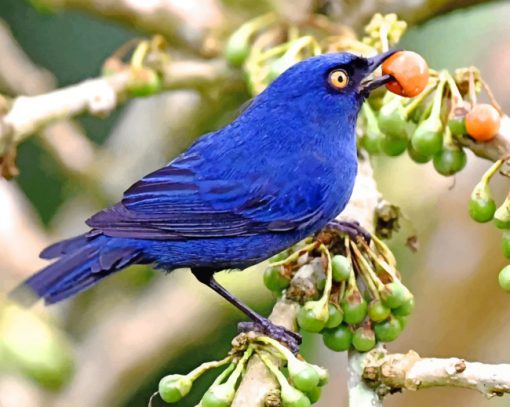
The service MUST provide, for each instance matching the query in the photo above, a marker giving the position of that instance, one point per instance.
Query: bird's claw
(289, 338)
(352, 228)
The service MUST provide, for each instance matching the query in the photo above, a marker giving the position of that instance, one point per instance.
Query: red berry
(482, 122)
(410, 71)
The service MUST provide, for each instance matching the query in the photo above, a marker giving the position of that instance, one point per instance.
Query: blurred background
(112, 344)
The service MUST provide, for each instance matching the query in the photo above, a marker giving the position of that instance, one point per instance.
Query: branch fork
(390, 373)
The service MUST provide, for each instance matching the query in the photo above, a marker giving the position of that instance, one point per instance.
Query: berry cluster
(300, 382)
(483, 208)
(362, 299)
(434, 125)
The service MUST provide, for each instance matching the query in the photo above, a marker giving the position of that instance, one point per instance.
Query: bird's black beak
(373, 63)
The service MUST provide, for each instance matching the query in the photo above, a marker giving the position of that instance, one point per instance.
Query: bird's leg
(352, 228)
(259, 323)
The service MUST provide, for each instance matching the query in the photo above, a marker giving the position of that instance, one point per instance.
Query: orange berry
(410, 71)
(482, 122)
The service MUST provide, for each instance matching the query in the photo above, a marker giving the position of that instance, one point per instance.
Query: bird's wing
(179, 201)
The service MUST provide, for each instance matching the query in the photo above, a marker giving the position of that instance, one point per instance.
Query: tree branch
(101, 96)
(182, 22)
(20, 76)
(390, 373)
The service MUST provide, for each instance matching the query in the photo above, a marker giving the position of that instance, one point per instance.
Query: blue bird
(277, 174)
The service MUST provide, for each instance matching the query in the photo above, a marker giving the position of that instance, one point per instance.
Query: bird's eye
(338, 79)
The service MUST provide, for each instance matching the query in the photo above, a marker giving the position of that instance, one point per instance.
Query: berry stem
(384, 251)
(297, 45)
(329, 275)
(371, 119)
(448, 138)
(259, 22)
(296, 255)
(494, 168)
(419, 99)
(223, 375)
(492, 98)
(139, 54)
(386, 266)
(426, 111)
(282, 380)
(204, 367)
(438, 96)
(457, 96)
(373, 282)
(286, 353)
(239, 367)
(472, 88)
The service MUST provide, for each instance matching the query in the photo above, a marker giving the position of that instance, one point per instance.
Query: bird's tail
(81, 262)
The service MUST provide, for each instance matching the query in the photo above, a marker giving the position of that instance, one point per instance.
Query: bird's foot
(352, 228)
(289, 338)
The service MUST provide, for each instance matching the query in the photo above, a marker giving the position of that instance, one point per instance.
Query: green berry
(220, 395)
(338, 339)
(274, 280)
(377, 311)
(292, 397)
(363, 339)
(354, 308)
(387, 331)
(416, 156)
(323, 375)
(371, 141)
(341, 267)
(314, 395)
(309, 320)
(482, 206)
(505, 244)
(482, 210)
(502, 215)
(500, 224)
(174, 387)
(336, 316)
(143, 82)
(504, 278)
(457, 125)
(393, 146)
(375, 99)
(303, 376)
(392, 120)
(237, 48)
(402, 321)
(427, 139)
(405, 309)
(395, 294)
(416, 115)
(450, 160)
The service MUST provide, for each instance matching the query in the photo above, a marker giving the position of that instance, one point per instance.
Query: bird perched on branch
(277, 174)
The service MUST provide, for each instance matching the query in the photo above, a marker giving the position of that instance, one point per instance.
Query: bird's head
(328, 84)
